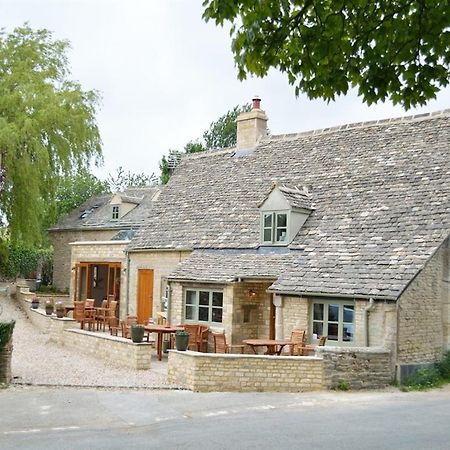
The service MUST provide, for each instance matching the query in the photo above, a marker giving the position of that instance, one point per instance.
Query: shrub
(444, 367)
(6, 331)
(423, 379)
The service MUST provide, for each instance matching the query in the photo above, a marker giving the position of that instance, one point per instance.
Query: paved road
(49, 418)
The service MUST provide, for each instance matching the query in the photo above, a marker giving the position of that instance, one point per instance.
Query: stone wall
(295, 313)
(356, 367)
(202, 372)
(62, 251)
(423, 314)
(116, 350)
(162, 263)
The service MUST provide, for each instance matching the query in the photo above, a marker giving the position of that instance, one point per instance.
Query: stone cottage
(89, 243)
(342, 232)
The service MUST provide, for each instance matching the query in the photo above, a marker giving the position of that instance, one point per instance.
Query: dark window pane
(281, 220)
(217, 315)
(347, 333)
(348, 313)
(318, 311)
(203, 314)
(217, 299)
(267, 237)
(267, 220)
(190, 313)
(203, 298)
(281, 235)
(318, 328)
(333, 331)
(333, 313)
(190, 297)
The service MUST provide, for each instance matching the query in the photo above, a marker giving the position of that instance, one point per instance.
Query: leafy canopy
(389, 49)
(221, 134)
(47, 128)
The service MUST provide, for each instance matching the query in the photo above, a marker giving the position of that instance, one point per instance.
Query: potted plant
(35, 303)
(49, 307)
(182, 340)
(137, 333)
(59, 309)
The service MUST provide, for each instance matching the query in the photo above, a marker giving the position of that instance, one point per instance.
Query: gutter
(128, 283)
(331, 294)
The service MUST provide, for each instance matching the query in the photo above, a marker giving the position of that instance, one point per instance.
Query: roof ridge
(356, 125)
(208, 153)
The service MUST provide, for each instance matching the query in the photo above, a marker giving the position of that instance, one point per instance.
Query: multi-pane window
(203, 306)
(115, 212)
(335, 320)
(274, 227)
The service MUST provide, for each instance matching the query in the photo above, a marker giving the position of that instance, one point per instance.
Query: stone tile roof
(95, 213)
(381, 199)
(297, 198)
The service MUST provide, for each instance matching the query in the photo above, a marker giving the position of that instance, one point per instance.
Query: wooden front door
(145, 295)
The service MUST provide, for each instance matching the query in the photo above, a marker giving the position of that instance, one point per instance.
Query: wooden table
(274, 346)
(161, 330)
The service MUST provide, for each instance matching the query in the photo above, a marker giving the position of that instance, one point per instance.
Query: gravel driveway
(37, 362)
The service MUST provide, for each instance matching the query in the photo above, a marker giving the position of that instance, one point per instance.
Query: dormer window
(283, 213)
(275, 227)
(115, 212)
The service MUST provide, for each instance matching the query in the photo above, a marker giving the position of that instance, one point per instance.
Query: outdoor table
(161, 330)
(67, 309)
(274, 346)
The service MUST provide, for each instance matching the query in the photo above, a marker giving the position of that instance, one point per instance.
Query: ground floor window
(203, 305)
(334, 319)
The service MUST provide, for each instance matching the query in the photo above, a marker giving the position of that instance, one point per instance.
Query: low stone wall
(356, 367)
(63, 298)
(213, 372)
(51, 325)
(5, 363)
(120, 351)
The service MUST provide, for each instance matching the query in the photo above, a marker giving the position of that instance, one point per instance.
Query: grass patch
(430, 377)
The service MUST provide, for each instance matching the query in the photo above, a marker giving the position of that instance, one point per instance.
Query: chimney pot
(256, 102)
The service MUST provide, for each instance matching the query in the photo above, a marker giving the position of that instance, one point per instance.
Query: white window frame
(197, 305)
(274, 227)
(340, 321)
(115, 211)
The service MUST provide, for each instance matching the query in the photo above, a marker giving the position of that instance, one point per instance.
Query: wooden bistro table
(161, 330)
(274, 346)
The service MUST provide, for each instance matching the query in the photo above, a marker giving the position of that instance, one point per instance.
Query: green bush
(6, 331)
(444, 367)
(429, 377)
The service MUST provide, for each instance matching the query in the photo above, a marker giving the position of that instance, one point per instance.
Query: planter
(165, 346)
(35, 304)
(137, 333)
(60, 313)
(49, 310)
(182, 340)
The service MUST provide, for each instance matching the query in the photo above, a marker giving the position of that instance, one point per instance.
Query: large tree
(389, 49)
(47, 128)
(220, 134)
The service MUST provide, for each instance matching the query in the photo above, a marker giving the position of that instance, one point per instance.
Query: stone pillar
(278, 302)
(5, 363)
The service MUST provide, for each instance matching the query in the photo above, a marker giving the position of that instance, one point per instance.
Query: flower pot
(165, 345)
(182, 340)
(60, 313)
(49, 310)
(35, 304)
(137, 333)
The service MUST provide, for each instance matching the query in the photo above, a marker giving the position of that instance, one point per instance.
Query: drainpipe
(169, 298)
(366, 321)
(128, 283)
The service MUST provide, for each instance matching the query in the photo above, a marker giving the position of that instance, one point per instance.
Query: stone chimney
(251, 126)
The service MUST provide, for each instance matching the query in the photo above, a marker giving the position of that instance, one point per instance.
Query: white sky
(165, 75)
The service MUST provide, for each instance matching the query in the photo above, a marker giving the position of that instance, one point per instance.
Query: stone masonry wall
(162, 264)
(295, 312)
(423, 326)
(119, 351)
(356, 367)
(62, 252)
(202, 372)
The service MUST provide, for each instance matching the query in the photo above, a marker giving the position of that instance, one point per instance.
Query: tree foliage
(47, 128)
(122, 180)
(221, 134)
(396, 50)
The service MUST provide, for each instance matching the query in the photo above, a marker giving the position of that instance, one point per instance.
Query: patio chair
(89, 303)
(202, 338)
(298, 338)
(102, 315)
(112, 317)
(192, 329)
(126, 326)
(83, 316)
(311, 349)
(221, 346)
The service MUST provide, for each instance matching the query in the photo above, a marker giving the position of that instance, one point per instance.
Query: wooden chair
(126, 326)
(202, 338)
(221, 346)
(192, 329)
(84, 316)
(102, 315)
(298, 338)
(89, 303)
(112, 316)
(311, 349)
